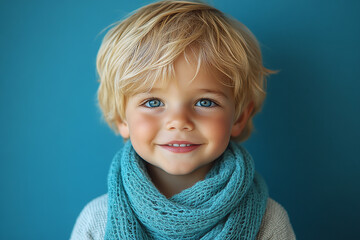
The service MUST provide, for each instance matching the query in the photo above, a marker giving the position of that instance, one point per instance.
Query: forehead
(188, 81)
(186, 72)
(190, 72)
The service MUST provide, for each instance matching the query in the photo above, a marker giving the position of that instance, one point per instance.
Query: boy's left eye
(205, 103)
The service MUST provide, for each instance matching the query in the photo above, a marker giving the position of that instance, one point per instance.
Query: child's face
(199, 114)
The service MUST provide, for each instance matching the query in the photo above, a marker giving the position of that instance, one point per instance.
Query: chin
(189, 170)
(178, 171)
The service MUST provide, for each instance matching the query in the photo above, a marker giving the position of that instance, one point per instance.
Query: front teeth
(179, 145)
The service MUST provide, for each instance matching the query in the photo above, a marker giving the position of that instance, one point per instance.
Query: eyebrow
(219, 93)
(205, 90)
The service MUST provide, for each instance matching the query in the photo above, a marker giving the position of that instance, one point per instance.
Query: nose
(179, 120)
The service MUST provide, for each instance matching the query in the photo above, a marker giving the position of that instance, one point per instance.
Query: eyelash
(161, 104)
(148, 101)
(212, 103)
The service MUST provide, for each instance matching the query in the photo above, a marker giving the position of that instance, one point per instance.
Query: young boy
(181, 82)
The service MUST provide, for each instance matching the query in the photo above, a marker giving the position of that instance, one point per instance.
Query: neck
(169, 184)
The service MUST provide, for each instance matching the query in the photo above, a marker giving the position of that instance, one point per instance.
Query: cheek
(218, 128)
(143, 131)
(143, 127)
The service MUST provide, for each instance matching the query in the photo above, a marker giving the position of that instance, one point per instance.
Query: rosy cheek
(144, 126)
(218, 128)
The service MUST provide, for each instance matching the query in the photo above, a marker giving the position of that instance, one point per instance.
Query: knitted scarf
(228, 204)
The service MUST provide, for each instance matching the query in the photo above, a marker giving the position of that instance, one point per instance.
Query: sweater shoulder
(91, 222)
(275, 224)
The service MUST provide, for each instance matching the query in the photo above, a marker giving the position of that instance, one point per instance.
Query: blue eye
(153, 103)
(205, 103)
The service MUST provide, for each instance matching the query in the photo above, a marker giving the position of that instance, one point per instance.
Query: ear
(123, 128)
(240, 123)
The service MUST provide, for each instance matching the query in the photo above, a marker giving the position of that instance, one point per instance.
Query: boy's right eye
(153, 103)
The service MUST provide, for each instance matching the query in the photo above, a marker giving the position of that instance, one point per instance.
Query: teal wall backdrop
(55, 151)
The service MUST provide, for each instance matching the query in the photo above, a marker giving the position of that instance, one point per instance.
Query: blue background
(55, 151)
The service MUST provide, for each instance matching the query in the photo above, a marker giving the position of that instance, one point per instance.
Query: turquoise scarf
(228, 204)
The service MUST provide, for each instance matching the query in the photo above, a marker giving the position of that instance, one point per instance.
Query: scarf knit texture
(228, 204)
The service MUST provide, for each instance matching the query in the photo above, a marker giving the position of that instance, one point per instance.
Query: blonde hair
(142, 49)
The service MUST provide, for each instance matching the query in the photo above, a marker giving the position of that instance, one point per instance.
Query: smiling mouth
(180, 147)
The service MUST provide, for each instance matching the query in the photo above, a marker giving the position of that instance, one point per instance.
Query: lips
(180, 146)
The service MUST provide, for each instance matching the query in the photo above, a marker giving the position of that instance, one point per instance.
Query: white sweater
(91, 222)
